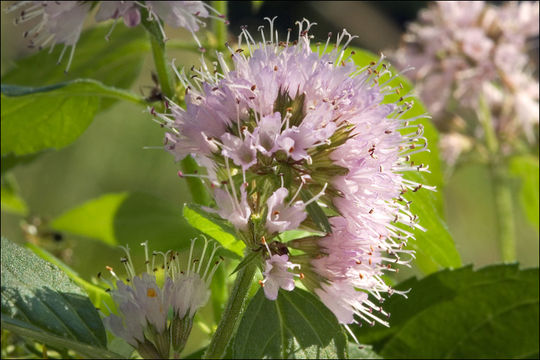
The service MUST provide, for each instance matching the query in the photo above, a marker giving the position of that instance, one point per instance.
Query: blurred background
(110, 156)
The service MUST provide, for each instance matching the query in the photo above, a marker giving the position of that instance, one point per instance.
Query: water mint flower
(60, 23)
(128, 10)
(144, 302)
(469, 56)
(184, 14)
(288, 131)
(276, 274)
(283, 216)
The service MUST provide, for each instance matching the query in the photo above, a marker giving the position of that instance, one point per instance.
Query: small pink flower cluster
(468, 52)
(288, 122)
(144, 304)
(61, 21)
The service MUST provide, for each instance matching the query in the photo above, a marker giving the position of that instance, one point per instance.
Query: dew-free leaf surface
(40, 301)
(488, 313)
(296, 325)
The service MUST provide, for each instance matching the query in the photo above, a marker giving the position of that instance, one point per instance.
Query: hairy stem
(196, 187)
(232, 314)
(502, 193)
(163, 73)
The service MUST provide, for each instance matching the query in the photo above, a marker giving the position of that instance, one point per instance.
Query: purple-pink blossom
(287, 133)
(467, 57)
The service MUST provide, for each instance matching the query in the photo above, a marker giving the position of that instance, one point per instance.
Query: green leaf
(116, 62)
(11, 202)
(315, 212)
(99, 297)
(215, 227)
(27, 330)
(296, 325)
(10, 161)
(35, 119)
(46, 120)
(37, 297)
(129, 218)
(526, 168)
(489, 313)
(362, 352)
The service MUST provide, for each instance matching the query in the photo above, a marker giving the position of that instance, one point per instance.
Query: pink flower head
(276, 274)
(144, 305)
(266, 134)
(465, 52)
(288, 120)
(60, 23)
(237, 211)
(128, 10)
(184, 14)
(242, 152)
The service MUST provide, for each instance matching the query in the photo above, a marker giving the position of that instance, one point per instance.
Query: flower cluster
(60, 22)
(291, 136)
(144, 302)
(473, 55)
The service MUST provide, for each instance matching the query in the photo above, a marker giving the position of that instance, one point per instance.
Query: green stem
(163, 73)
(185, 45)
(232, 314)
(220, 28)
(188, 165)
(502, 193)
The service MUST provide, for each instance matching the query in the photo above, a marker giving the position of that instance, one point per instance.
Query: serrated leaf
(362, 352)
(315, 212)
(129, 218)
(296, 325)
(215, 227)
(37, 297)
(99, 296)
(27, 330)
(526, 168)
(489, 313)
